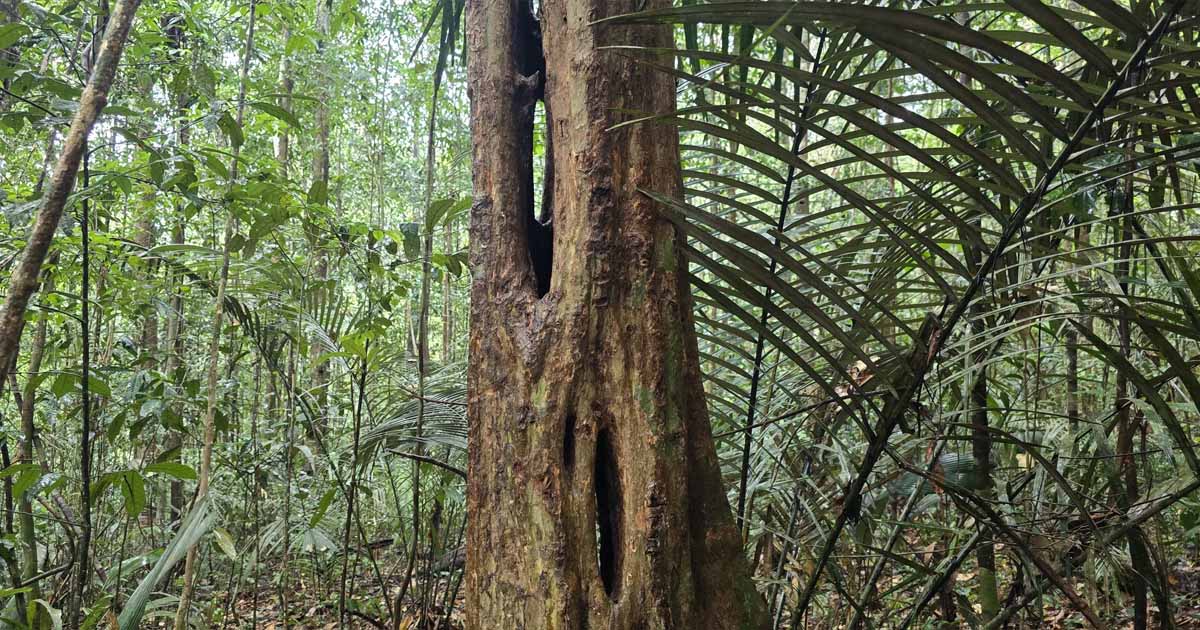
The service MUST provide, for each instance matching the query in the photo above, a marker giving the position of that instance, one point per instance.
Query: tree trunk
(24, 279)
(191, 562)
(173, 28)
(595, 494)
(320, 195)
(29, 444)
(286, 85)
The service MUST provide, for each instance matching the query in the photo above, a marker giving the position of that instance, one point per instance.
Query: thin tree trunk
(286, 84)
(981, 436)
(24, 280)
(289, 472)
(320, 185)
(422, 345)
(587, 417)
(146, 236)
(210, 411)
(353, 491)
(981, 451)
(29, 442)
(175, 318)
(448, 303)
(1127, 496)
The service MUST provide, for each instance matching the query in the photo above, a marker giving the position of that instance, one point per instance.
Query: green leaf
(18, 469)
(96, 613)
(1121, 364)
(26, 480)
(214, 164)
(68, 383)
(1189, 518)
(133, 488)
(225, 542)
(172, 469)
(322, 507)
(102, 484)
(412, 239)
(437, 210)
(63, 384)
(10, 33)
(9, 592)
(232, 130)
(54, 613)
(277, 112)
(169, 455)
(27, 474)
(157, 165)
(98, 386)
(318, 192)
(197, 523)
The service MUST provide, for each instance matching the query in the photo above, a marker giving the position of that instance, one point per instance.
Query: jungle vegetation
(599, 313)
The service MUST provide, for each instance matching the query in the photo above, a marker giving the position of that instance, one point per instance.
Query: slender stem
(205, 475)
(83, 562)
(362, 390)
(798, 136)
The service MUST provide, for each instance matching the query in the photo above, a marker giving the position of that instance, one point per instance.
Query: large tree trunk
(595, 496)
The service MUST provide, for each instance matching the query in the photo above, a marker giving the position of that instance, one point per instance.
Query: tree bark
(176, 36)
(24, 279)
(191, 562)
(595, 495)
(29, 444)
(320, 182)
(286, 85)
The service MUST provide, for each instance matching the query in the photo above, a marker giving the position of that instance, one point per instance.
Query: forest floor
(262, 610)
(1184, 581)
(313, 605)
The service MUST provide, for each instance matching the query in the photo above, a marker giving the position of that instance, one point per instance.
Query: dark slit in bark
(539, 231)
(608, 514)
(541, 252)
(568, 452)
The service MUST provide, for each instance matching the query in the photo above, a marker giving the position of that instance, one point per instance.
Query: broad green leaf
(232, 130)
(26, 480)
(64, 384)
(322, 507)
(225, 542)
(318, 192)
(10, 33)
(277, 112)
(19, 469)
(172, 469)
(194, 526)
(53, 613)
(96, 613)
(133, 489)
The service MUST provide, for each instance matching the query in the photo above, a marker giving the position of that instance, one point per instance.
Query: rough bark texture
(25, 277)
(595, 493)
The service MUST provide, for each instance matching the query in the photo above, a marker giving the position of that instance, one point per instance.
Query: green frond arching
(886, 204)
(895, 138)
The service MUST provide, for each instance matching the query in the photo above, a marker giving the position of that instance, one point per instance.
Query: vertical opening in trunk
(568, 452)
(541, 233)
(608, 514)
(535, 171)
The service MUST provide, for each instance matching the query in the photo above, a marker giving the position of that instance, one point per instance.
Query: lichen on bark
(595, 495)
